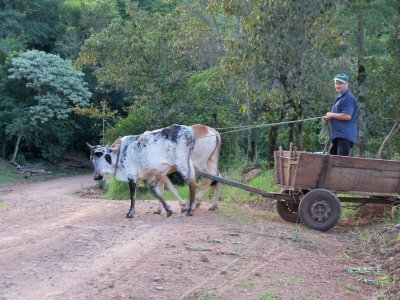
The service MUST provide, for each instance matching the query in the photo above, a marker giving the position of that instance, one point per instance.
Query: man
(343, 118)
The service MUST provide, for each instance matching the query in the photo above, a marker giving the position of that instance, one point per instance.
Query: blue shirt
(347, 104)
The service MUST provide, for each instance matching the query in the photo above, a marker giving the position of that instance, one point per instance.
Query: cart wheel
(288, 211)
(320, 209)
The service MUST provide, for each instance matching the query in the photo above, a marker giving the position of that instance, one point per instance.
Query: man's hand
(342, 116)
(329, 116)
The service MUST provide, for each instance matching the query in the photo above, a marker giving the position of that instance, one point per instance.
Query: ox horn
(90, 146)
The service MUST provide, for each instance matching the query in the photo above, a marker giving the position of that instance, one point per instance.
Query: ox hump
(176, 133)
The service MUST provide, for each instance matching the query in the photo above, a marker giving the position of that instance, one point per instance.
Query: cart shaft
(274, 196)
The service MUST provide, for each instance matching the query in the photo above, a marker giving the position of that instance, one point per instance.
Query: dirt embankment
(55, 244)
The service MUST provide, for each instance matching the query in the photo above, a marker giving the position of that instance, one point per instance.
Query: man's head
(341, 83)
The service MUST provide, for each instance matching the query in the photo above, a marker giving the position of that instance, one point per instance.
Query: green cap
(342, 77)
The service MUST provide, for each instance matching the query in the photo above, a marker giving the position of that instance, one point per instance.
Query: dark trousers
(340, 146)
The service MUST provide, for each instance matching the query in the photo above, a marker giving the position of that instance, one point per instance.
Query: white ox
(205, 158)
(150, 156)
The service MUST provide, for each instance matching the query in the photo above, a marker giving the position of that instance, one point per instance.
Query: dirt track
(55, 244)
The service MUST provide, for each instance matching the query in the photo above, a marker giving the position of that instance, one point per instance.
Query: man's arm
(342, 116)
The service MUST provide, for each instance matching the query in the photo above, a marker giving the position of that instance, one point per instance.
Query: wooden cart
(310, 184)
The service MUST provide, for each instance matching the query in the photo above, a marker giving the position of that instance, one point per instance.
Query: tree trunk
(362, 121)
(250, 153)
(237, 148)
(14, 156)
(395, 128)
(297, 134)
(272, 138)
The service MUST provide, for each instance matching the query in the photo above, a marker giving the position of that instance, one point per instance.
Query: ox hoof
(213, 208)
(184, 209)
(157, 212)
(169, 213)
(189, 213)
(130, 216)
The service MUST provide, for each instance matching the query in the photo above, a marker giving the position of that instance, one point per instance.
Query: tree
(52, 87)
(37, 22)
(277, 54)
(365, 26)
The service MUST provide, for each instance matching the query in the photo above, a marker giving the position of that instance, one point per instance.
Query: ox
(150, 156)
(205, 158)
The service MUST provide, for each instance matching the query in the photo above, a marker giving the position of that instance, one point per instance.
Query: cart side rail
(299, 170)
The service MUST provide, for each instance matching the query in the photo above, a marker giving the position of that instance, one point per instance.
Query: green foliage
(55, 83)
(117, 190)
(50, 86)
(8, 174)
(220, 63)
(36, 22)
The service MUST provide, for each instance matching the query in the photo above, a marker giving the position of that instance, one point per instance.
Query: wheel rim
(289, 207)
(320, 210)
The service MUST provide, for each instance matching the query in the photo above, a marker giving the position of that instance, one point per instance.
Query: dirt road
(55, 244)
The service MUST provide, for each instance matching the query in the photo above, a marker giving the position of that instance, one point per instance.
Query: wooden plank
(324, 171)
(308, 171)
(366, 163)
(278, 167)
(288, 166)
(349, 174)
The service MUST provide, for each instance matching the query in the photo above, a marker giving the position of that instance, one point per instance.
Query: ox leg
(132, 190)
(217, 193)
(200, 194)
(156, 191)
(192, 189)
(159, 207)
(174, 192)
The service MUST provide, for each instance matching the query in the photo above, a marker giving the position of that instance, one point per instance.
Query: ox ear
(90, 146)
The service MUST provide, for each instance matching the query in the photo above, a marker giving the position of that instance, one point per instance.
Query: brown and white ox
(205, 158)
(150, 156)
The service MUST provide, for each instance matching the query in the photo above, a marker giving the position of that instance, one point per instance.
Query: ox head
(103, 159)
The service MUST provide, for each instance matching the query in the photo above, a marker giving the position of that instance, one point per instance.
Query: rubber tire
(328, 201)
(286, 213)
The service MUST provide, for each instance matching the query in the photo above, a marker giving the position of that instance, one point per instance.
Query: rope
(323, 137)
(324, 133)
(240, 128)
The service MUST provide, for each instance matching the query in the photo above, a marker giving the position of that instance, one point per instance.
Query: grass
(350, 289)
(3, 205)
(247, 284)
(8, 174)
(209, 295)
(268, 296)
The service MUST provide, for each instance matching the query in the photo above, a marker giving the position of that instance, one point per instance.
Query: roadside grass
(268, 296)
(247, 284)
(3, 205)
(380, 243)
(8, 174)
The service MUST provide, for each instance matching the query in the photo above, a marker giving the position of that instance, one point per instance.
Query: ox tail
(215, 155)
(192, 170)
